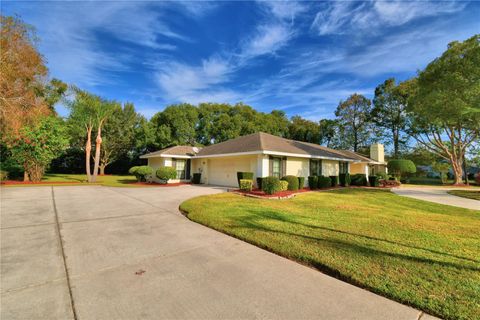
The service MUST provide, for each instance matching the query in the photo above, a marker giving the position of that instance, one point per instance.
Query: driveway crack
(62, 250)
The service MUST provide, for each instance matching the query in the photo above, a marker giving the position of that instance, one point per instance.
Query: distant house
(264, 155)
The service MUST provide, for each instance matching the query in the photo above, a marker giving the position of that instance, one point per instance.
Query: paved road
(438, 195)
(91, 252)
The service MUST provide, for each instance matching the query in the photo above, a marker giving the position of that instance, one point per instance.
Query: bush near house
(374, 181)
(335, 181)
(324, 182)
(313, 182)
(344, 179)
(259, 183)
(196, 178)
(359, 179)
(284, 185)
(244, 175)
(166, 173)
(3, 175)
(142, 173)
(399, 167)
(271, 185)
(246, 184)
(301, 182)
(292, 182)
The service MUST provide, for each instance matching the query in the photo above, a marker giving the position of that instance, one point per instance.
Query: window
(343, 167)
(276, 167)
(180, 167)
(315, 167)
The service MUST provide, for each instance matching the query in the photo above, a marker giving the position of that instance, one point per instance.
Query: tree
(89, 112)
(401, 166)
(38, 145)
(328, 130)
(175, 125)
(353, 116)
(119, 131)
(389, 111)
(303, 130)
(444, 107)
(442, 168)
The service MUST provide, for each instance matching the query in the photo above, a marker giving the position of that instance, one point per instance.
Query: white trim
(146, 156)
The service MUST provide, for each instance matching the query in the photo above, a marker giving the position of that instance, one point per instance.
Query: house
(264, 155)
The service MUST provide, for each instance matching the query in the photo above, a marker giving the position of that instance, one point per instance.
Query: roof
(358, 156)
(180, 151)
(271, 144)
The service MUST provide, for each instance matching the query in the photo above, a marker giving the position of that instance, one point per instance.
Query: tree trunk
(102, 169)
(98, 145)
(26, 178)
(88, 149)
(395, 144)
(457, 170)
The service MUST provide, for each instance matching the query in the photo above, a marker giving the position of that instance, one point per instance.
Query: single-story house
(264, 155)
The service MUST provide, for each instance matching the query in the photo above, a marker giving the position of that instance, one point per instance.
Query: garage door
(223, 172)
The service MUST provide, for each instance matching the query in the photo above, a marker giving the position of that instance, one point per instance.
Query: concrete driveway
(92, 252)
(438, 195)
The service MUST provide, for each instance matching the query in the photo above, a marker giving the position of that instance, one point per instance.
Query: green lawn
(418, 253)
(65, 179)
(465, 194)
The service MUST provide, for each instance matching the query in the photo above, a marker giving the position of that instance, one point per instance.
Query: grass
(475, 195)
(422, 254)
(433, 181)
(52, 179)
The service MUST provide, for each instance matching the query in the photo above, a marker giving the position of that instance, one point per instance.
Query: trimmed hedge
(398, 167)
(246, 184)
(359, 179)
(301, 182)
(374, 181)
(196, 178)
(292, 182)
(284, 185)
(259, 183)
(271, 185)
(142, 173)
(313, 182)
(335, 181)
(244, 175)
(166, 173)
(324, 182)
(344, 179)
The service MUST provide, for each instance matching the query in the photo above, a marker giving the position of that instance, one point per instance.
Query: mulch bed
(257, 193)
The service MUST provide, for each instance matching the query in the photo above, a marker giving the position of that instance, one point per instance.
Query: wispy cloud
(342, 17)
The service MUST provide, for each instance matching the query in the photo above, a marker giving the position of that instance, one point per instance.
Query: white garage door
(223, 172)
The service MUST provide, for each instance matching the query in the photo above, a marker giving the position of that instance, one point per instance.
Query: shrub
(271, 185)
(142, 173)
(284, 185)
(312, 182)
(324, 182)
(292, 182)
(334, 181)
(382, 175)
(3, 175)
(259, 183)
(359, 179)
(344, 179)
(301, 182)
(401, 166)
(244, 175)
(196, 178)
(374, 181)
(166, 173)
(246, 184)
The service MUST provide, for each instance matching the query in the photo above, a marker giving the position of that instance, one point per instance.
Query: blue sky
(300, 57)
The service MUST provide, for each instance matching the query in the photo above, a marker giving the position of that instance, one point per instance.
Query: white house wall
(330, 168)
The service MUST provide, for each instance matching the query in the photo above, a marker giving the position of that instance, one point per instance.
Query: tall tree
(353, 115)
(303, 130)
(389, 111)
(119, 134)
(328, 130)
(445, 106)
(87, 113)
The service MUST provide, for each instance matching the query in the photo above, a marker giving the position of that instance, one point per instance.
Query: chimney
(377, 152)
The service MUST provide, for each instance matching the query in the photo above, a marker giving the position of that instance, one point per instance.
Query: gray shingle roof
(173, 151)
(266, 142)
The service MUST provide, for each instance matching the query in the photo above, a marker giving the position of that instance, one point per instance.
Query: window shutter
(284, 167)
(187, 169)
(270, 166)
(320, 169)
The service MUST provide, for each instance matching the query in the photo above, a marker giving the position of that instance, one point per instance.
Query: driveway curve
(92, 252)
(438, 195)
